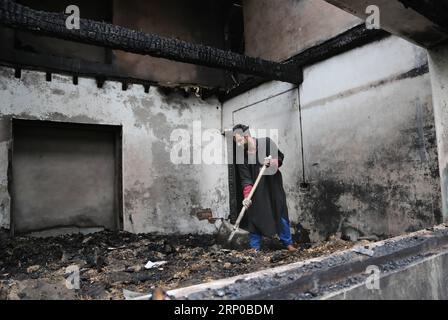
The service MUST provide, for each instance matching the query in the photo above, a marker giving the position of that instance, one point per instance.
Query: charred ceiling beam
(435, 11)
(79, 68)
(116, 37)
(353, 38)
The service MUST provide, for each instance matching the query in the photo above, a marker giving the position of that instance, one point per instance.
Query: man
(267, 213)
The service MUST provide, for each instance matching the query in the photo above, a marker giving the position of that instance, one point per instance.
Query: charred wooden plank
(348, 40)
(116, 37)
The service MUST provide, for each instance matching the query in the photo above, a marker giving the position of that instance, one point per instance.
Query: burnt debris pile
(109, 262)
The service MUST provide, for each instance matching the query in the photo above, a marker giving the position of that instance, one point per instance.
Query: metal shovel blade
(240, 238)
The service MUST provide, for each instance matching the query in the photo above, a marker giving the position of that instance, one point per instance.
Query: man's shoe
(254, 251)
(291, 248)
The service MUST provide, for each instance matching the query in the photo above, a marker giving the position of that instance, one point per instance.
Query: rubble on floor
(108, 262)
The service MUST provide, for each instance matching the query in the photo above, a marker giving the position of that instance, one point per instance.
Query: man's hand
(247, 203)
(267, 162)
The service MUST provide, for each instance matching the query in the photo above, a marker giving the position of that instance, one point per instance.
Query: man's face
(240, 140)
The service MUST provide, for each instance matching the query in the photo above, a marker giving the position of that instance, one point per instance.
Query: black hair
(241, 127)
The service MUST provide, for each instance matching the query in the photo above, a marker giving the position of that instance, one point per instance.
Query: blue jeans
(285, 236)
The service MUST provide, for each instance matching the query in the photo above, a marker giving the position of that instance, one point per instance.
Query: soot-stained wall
(200, 22)
(158, 195)
(197, 22)
(368, 138)
(439, 79)
(277, 30)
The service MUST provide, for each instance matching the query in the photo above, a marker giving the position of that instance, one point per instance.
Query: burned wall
(277, 30)
(201, 22)
(158, 195)
(94, 10)
(368, 139)
(197, 22)
(400, 17)
(439, 79)
(370, 144)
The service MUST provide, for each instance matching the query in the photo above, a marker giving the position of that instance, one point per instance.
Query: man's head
(241, 135)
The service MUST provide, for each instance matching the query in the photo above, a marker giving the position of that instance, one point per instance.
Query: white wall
(158, 195)
(368, 131)
(368, 134)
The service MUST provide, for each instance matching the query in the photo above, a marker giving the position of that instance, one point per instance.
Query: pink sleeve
(246, 190)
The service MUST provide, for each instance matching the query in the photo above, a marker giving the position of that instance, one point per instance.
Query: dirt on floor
(108, 262)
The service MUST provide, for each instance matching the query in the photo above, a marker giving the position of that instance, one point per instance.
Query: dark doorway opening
(65, 176)
(235, 188)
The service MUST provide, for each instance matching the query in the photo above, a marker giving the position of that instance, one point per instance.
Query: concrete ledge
(317, 278)
(425, 279)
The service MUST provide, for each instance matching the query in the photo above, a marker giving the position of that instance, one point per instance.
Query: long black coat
(269, 199)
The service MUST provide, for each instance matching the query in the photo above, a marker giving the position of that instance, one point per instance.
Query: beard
(244, 145)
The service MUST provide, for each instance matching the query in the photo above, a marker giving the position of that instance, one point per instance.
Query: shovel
(243, 210)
